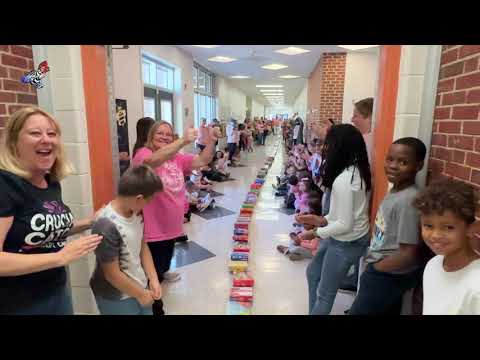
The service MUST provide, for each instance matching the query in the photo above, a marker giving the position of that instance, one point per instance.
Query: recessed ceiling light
(289, 76)
(269, 86)
(292, 50)
(274, 67)
(240, 77)
(271, 90)
(356, 47)
(207, 46)
(222, 59)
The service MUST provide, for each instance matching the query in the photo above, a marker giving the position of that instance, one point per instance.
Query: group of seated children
(394, 252)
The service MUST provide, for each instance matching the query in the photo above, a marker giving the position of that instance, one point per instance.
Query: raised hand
(190, 135)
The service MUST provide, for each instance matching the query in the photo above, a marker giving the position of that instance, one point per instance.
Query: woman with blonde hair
(163, 216)
(34, 221)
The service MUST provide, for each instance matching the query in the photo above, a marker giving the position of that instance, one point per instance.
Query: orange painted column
(389, 66)
(94, 65)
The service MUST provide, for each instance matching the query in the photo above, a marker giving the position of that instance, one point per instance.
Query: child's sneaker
(171, 276)
(282, 249)
(294, 257)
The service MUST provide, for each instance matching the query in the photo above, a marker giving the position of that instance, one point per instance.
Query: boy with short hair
(125, 281)
(393, 263)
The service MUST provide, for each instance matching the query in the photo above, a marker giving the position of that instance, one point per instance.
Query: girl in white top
(344, 230)
(451, 280)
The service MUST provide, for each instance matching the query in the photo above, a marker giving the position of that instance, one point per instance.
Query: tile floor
(281, 287)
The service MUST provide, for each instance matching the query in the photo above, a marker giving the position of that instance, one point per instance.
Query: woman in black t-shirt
(34, 221)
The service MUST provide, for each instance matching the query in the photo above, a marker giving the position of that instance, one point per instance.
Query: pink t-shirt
(163, 216)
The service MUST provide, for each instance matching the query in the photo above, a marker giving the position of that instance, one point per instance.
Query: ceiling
(250, 58)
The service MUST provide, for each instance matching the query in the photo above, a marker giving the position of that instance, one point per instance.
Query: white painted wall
(258, 109)
(232, 102)
(281, 109)
(300, 104)
(361, 74)
(127, 72)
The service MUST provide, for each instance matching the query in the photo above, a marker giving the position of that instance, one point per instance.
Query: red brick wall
(455, 148)
(333, 82)
(15, 61)
(326, 87)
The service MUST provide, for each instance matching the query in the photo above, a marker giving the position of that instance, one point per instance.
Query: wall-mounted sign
(122, 133)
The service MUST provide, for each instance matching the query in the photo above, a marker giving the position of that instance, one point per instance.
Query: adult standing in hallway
(232, 134)
(163, 217)
(34, 221)
(203, 134)
(362, 119)
(298, 131)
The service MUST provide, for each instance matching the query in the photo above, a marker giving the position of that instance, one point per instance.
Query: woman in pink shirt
(163, 216)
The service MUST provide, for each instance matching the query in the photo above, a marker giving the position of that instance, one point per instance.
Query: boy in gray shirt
(393, 263)
(125, 281)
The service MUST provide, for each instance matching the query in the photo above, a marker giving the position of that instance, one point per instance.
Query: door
(158, 104)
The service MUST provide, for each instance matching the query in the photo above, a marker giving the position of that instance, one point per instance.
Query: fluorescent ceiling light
(240, 77)
(274, 66)
(292, 50)
(356, 47)
(289, 76)
(207, 46)
(222, 59)
(269, 86)
(271, 90)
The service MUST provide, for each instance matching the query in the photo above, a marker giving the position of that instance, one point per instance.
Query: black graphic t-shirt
(40, 225)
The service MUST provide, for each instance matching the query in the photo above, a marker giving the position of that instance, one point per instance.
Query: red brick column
(15, 61)
(333, 82)
(455, 148)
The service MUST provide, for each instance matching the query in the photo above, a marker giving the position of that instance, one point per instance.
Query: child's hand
(146, 299)
(306, 235)
(155, 289)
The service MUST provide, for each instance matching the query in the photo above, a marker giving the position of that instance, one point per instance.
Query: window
(158, 81)
(205, 103)
(157, 74)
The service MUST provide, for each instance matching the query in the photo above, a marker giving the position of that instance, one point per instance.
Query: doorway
(158, 104)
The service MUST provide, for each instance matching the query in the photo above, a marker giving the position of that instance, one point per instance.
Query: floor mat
(213, 193)
(189, 253)
(215, 213)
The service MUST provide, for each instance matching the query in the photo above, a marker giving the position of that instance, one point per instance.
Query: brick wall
(15, 61)
(455, 148)
(333, 81)
(326, 89)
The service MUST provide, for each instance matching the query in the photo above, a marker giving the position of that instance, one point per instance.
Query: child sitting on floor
(194, 202)
(304, 249)
(282, 182)
(200, 181)
(292, 189)
(305, 186)
(221, 162)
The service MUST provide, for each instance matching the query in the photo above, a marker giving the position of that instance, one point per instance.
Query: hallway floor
(280, 284)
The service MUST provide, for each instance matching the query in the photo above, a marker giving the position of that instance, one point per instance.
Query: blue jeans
(382, 293)
(57, 302)
(328, 268)
(129, 306)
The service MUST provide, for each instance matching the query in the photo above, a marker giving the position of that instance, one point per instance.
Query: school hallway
(280, 284)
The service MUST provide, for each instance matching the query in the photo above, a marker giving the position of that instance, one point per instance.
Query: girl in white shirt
(345, 230)
(451, 280)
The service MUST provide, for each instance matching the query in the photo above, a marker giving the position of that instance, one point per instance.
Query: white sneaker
(171, 276)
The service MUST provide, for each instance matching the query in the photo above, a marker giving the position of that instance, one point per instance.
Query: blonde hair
(153, 130)
(9, 160)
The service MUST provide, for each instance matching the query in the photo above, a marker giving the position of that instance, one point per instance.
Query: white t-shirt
(451, 293)
(348, 215)
(296, 130)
